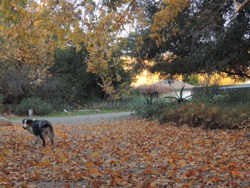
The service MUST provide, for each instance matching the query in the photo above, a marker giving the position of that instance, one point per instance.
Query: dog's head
(27, 123)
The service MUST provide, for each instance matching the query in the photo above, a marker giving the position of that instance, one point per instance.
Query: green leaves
(200, 35)
(129, 154)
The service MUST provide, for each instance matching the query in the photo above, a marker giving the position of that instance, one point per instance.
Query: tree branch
(237, 73)
(241, 6)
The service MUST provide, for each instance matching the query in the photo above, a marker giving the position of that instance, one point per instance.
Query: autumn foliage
(131, 153)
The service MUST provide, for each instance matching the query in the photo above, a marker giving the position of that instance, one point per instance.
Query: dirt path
(84, 119)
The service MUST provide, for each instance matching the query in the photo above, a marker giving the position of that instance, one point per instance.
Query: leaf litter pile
(131, 153)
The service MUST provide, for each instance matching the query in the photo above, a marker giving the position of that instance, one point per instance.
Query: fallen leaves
(131, 153)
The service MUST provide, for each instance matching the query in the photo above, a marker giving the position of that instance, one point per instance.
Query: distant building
(235, 86)
(167, 88)
(239, 93)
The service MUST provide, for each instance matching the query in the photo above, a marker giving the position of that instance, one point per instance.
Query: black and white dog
(39, 128)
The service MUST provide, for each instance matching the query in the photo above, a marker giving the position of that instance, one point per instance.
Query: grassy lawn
(129, 153)
(72, 113)
(83, 112)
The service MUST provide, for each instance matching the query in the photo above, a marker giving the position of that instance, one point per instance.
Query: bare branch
(240, 6)
(236, 73)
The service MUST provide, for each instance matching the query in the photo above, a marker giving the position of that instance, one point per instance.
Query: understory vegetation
(68, 86)
(228, 110)
(224, 111)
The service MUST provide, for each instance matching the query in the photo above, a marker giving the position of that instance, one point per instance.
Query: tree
(240, 6)
(30, 31)
(15, 83)
(103, 42)
(202, 37)
(203, 44)
(70, 83)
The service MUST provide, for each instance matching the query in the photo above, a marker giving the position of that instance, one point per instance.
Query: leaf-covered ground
(132, 153)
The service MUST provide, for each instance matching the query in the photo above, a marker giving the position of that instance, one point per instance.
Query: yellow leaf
(37, 22)
(96, 155)
(88, 164)
(182, 162)
(147, 157)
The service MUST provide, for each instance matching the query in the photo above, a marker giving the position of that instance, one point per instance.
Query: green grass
(74, 113)
(83, 112)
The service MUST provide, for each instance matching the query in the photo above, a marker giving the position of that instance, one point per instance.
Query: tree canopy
(180, 36)
(202, 37)
(30, 31)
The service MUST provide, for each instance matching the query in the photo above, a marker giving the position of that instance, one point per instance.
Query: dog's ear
(29, 121)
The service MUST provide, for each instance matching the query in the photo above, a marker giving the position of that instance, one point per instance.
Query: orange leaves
(88, 164)
(236, 173)
(191, 173)
(95, 171)
(148, 158)
(128, 154)
(43, 164)
(35, 176)
(182, 163)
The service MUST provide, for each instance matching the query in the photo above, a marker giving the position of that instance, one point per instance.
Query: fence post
(30, 112)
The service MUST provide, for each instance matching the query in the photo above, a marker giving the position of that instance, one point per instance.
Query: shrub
(152, 110)
(193, 114)
(235, 117)
(1, 103)
(39, 106)
(207, 115)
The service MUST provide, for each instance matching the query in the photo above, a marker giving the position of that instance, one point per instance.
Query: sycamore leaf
(88, 164)
(236, 173)
(191, 173)
(126, 156)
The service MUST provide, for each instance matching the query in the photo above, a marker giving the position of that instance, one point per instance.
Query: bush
(39, 106)
(1, 103)
(207, 115)
(152, 110)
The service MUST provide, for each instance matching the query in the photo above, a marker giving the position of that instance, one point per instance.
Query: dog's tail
(51, 135)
